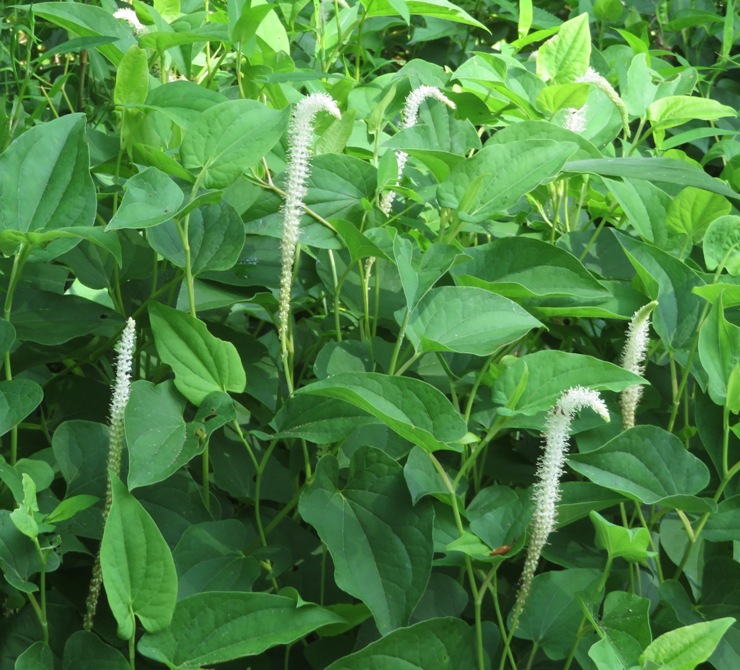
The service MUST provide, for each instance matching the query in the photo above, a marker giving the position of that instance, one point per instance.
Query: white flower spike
(549, 472)
(300, 133)
(591, 76)
(575, 119)
(633, 359)
(129, 16)
(116, 439)
(409, 118)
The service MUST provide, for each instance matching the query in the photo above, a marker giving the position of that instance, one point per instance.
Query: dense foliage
(331, 378)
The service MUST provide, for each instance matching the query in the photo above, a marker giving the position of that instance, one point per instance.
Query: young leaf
(381, 543)
(620, 542)
(132, 78)
(201, 362)
(565, 57)
(138, 571)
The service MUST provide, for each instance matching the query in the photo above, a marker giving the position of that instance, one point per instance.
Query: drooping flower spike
(409, 117)
(300, 133)
(549, 471)
(633, 359)
(116, 440)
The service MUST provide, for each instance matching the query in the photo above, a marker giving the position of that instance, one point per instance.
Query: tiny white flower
(300, 133)
(549, 471)
(575, 119)
(129, 16)
(409, 117)
(633, 359)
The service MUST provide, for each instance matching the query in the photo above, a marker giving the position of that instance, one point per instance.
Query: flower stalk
(549, 471)
(116, 440)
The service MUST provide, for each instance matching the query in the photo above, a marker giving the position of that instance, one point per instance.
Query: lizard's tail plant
(409, 117)
(633, 359)
(547, 489)
(116, 438)
(300, 133)
(591, 76)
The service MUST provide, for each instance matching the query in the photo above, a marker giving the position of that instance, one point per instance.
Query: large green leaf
(412, 408)
(420, 271)
(467, 320)
(381, 543)
(45, 178)
(647, 464)
(552, 615)
(138, 571)
(18, 398)
(132, 78)
(438, 644)
(669, 281)
(686, 648)
(81, 452)
(201, 362)
(215, 235)
(665, 170)
(215, 627)
(521, 267)
(88, 21)
(86, 651)
(210, 557)
(150, 198)
(435, 9)
(722, 244)
(551, 372)
(229, 138)
(675, 110)
(719, 352)
(159, 440)
(37, 657)
(497, 176)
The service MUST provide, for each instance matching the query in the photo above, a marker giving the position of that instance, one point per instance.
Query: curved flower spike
(409, 117)
(549, 471)
(300, 133)
(633, 359)
(591, 76)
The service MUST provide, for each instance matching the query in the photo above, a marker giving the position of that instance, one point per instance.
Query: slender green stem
(399, 342)
(206, 477)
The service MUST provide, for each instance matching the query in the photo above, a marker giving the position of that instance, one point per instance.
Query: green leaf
(719, 352)
(37, 657)
(88, 21)
(215, 234)
(669, 281)
(644, 204)
(467, 320)
(138, 571)
(320, 420)
(216, 627)
(497, 176)
(435, 9)
(722, 244)
(150, 198)
(81, 451)
(724, 526)
(210, 557)
(229, 138)
(86, 651)
(7, 336)
(552, 615)
(418, 270)
(521, 267)
(499, 515)
(565, 57)
(132, 78)
(693, 209)
(646, 464)
(620, 542)
(201, 362)
(159, 440)
(552, 372)
(18, 398)
(45, 180)
(183, 101)
(69, 507)
(381, 543)
(662, 170)
(412, 408)
(19, 559)
(685, 648)
(675, 110)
